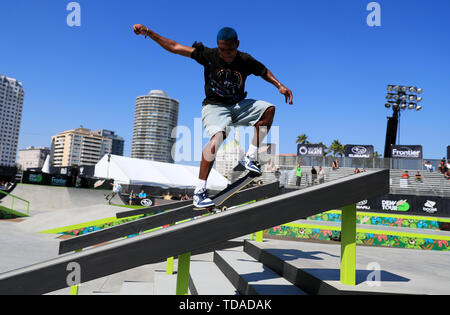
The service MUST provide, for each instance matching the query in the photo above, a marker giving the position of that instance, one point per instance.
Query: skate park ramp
(51, 198)
(54, 207)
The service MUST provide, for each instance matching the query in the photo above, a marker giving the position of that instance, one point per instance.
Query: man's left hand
(287, 94)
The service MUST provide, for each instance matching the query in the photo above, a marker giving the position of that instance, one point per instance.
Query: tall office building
(117, 142)
(79, 146)
(155, 116)
(32, 157)
(11, 103)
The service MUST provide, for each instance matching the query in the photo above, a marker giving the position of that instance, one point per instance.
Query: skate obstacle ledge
(161, 219)
(182, 239)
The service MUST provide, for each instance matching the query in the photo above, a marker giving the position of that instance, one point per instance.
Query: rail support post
(348, 245)
(184, 261)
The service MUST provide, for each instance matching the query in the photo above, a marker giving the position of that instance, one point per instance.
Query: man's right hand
(140, 29)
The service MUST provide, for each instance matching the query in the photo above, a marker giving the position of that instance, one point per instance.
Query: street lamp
(399, 97)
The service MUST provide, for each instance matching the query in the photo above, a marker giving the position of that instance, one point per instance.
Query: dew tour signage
(406, 151)
(358, 151)
(407, 204)
(310, 150)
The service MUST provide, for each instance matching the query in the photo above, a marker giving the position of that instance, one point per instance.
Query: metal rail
(72, 269)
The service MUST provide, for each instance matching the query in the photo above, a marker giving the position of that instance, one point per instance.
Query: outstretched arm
(168, 44)
(269, 77)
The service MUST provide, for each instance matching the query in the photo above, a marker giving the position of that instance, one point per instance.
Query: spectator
(428, 166)
(364, 170)
(131, 198)
(405, 175)
(418, 177)
(313, 175)
(335, 164)
(277, 174)
(447, 174)
(443, 166)
(321, 175)
(357, 171)
(298, 175)
(142, 195)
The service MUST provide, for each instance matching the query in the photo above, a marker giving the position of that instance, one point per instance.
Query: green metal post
(259, 236)
(74, 288)
(348, 245)
(184, 261)
(169, 267)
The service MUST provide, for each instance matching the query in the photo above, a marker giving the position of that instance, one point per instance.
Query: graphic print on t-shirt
(228, 83)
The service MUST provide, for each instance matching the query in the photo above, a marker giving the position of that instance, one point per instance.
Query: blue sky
(324, 51)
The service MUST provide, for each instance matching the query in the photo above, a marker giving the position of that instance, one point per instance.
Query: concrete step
(136, 288)
(315, 268)
(165, 284)
(251, 277)
(207, 279)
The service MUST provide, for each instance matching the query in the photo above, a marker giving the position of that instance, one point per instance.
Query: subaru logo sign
(359, 150)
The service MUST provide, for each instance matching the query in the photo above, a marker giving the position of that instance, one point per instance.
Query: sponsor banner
(310, 150)
(38, 178)
(406, 151)
(407, 205)
(358, 151)
(448, 152)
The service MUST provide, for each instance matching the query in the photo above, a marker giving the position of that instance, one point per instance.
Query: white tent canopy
(131, 171)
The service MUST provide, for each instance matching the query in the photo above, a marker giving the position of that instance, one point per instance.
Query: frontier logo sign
(406, 152)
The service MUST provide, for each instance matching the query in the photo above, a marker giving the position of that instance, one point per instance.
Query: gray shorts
(217, 118)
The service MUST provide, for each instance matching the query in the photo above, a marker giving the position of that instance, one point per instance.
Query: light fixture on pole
(399, 97)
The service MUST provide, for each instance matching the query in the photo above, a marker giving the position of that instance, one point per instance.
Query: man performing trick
(225, 105)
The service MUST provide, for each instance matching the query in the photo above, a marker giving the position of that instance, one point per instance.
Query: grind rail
(179, 240)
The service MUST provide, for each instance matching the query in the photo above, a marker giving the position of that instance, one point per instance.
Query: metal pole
(348, 245)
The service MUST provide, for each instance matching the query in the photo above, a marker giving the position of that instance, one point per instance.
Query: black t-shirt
(225, 82)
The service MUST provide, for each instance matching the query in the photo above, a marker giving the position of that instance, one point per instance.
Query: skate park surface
(403, 271)
(50, 208)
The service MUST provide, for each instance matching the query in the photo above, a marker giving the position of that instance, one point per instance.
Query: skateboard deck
(232, 189)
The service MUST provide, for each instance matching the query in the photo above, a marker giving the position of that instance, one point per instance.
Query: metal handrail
(73, 269)
(16, 197)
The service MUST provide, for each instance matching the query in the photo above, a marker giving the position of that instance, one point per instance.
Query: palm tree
(302, 139)
(337, 148)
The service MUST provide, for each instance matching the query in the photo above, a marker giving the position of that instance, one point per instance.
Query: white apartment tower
(11, 103)
(155, 116)
(79, 146)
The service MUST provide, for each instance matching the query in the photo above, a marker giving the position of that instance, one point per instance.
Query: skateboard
(232, 189)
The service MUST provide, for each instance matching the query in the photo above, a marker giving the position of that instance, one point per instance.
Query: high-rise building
(155, 116)
(79, 146)
(32, 157)
(117, 142)
(11, 103)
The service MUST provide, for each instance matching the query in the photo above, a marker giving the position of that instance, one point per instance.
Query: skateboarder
(225, 71)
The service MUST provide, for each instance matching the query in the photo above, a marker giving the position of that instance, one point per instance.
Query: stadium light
(400, 97)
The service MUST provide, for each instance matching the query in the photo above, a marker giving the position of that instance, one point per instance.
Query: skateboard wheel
(224, 208)
(259, 183)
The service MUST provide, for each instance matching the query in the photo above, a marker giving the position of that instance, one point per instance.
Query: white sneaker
(202, 200)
